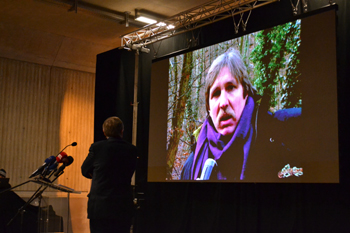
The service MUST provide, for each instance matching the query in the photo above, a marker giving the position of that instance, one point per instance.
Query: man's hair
(232, 60)
(113, 127)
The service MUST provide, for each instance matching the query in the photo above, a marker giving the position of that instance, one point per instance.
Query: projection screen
(274, 119)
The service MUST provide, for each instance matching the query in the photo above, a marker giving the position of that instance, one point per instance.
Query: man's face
(226, 102)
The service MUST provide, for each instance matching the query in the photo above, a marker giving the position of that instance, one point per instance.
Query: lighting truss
(194, 18)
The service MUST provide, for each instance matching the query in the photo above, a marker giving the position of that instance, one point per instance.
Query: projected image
(258, 108)
(218, 94)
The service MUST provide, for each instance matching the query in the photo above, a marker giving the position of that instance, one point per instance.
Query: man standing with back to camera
(110, 164)
(239, 143)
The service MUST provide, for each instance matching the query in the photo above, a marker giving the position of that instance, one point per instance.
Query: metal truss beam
(194, 18)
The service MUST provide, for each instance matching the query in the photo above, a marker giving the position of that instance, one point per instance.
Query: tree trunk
(178, 113)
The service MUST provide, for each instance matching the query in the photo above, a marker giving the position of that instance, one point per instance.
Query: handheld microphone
(66, 162)
(207, 169)
(47, 163)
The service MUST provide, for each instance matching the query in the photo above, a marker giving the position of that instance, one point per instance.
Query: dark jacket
(111, 164)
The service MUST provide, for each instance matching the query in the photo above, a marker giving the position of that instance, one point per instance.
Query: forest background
(271, 57)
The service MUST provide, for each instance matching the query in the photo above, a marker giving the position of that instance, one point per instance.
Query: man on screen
(228, 145)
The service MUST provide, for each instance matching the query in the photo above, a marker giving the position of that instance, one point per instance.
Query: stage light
(145, 17)
(137, 47)
(145, 20)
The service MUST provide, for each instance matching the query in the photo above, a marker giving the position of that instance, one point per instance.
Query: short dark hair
(233, 61)
(113, 127)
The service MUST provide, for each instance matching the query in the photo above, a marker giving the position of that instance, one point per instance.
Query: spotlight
(137, 47)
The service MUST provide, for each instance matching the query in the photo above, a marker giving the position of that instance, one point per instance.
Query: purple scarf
(210, 139)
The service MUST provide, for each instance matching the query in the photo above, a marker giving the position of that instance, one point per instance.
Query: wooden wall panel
(76, 122)
(43, 109)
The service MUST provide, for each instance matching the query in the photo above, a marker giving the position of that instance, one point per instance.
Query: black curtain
(214, 208)
(114, 90)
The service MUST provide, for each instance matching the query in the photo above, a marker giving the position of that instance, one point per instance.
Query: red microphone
(60, 157)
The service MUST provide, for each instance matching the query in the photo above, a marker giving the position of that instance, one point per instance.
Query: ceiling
(57, 33)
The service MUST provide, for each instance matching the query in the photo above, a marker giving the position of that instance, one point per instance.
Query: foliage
(275, 60)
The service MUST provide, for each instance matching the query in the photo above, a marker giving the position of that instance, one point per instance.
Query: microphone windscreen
(61, 156)
(70, 160)
(74, 144)
(50, 159)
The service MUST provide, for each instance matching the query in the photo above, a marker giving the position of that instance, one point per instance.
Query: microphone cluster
(50, 166)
